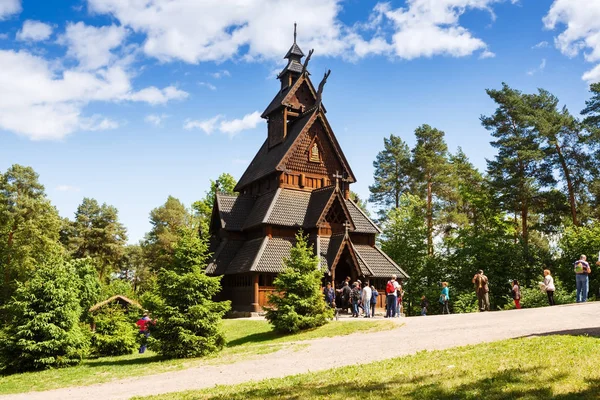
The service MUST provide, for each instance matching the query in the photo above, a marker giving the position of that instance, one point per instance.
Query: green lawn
(550, 367)
(245, 338)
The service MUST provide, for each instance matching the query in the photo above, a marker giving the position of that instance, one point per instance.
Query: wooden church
(299, 179)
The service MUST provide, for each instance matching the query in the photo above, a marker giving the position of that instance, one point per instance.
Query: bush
(115, 333)
(43, 329)
(299, 303)
(466, 303)
(187, 319)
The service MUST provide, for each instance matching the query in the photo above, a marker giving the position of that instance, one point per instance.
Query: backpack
(389, 288)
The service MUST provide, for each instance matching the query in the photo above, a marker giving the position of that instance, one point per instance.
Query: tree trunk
(429, 218)
(567, 175)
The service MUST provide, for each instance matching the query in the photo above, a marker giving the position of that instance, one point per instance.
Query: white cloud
(155, 119)
(67, 188)
(540, 68)
(220, 74)
(581, 20)
(229, 127)
(541, 45)
(215, 30)
(235, 126)
(44, 102)
(208, 125)
(9, 7)
(3, 36)
(487, 54)
(207, 85)
(92, 46)
(34, 31)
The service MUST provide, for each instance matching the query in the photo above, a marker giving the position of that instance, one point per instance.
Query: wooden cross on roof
(337, 176)
(347, 226)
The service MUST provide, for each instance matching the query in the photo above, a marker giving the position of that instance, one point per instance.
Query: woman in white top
(549, 284)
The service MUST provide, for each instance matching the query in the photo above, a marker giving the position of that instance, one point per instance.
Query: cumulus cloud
(155, 119)
(34, 31)
(229, 127)
(9, 7)
(43, 102)
(581, 22)
(487, 54)
(91, 46)
(214, 30)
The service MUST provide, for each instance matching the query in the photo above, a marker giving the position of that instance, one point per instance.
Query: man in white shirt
(366, 299)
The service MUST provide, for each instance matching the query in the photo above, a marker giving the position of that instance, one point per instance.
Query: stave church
(298, 179)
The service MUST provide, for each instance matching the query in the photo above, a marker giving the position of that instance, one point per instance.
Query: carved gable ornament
(314, 153)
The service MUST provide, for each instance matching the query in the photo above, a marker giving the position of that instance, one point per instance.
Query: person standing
(582, 270)
(391, 297)
(144, 332)
(516, 293)
(482, 290)
(366, 299)
(329, 294)
(549, 286)
(444, 299)
(374, 295)
(345, 295)
(424, 305)
(355, 298)
(400, 295)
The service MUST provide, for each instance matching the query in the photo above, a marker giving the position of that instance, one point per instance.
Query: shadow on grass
(127, 361)
(255, 338)
(509, 384)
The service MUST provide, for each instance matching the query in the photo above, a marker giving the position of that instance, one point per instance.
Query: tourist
(329, 295)
(582, 270)
(366, 299)
(424, 305)
(444, 299)
(374, 295)
(549, 286)
(391, 297)
(345, 295)
(144, 332)
(354, 299)
(516, 293)
(482, 290)
(400, 295)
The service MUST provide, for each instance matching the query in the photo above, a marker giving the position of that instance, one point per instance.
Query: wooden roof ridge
(272, 205)
(113, 298)
(364, 215)
(336, 194)
(282, 98)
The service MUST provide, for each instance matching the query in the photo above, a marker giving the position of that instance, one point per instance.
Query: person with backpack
(391, 297)
(374, 295)
(354, 299)
(516, 294)
(582, 271)
(444, 299)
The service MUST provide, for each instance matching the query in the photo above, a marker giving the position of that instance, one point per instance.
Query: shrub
(466, 303)
(187, 319)
(43, 330)
(298, 303)
(115, 333)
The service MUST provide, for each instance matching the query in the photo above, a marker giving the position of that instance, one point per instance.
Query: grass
(245, 338)
(550, 367)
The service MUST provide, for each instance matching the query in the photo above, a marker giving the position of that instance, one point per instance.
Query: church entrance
(344, 268)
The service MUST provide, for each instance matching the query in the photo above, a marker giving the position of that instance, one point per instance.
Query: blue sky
(131, 101)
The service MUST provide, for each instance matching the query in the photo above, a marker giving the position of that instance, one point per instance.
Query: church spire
(294, 67)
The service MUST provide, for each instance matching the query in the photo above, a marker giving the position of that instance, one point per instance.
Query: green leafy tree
(43, 331)
(298, 303)
(573, 242)
(97, 233)
(115, 333)
(187, 319)
(432, 175)
(392, 173)
(29, 227)
(159, 243)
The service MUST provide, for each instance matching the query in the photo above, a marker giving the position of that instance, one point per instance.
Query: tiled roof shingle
(233, 210)
(380, 264)
(246, 257)
(223, 256)
(362, 223)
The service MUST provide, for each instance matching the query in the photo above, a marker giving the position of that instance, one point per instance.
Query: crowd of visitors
(362, 298)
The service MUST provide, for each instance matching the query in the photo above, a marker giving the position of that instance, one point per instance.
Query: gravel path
(417, 333)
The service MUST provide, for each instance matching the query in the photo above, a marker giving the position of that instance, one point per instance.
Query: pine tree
(187, 319)
(392, 173)
(298, 303)
(43, 330)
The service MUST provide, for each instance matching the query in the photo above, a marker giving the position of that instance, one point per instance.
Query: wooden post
(255, 304)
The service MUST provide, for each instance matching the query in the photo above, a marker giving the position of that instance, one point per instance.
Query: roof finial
(294, 33)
